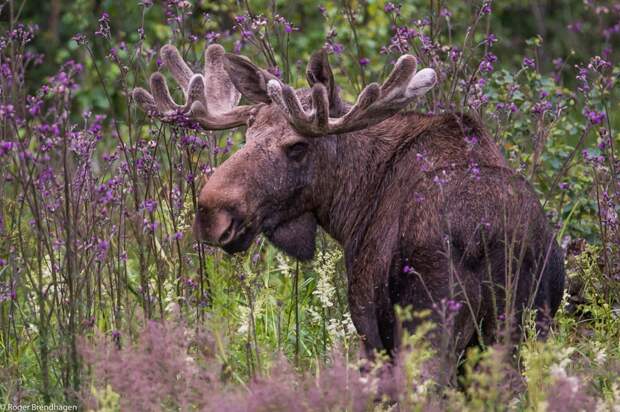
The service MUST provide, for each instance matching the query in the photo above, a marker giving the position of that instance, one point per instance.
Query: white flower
(325, 267)
(283, 265)
(315, 317)
(601, 356)
(244, 315)
(324, 292)
(347, 322)
(334, 329)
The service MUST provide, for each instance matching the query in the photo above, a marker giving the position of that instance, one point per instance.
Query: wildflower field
(108, 302)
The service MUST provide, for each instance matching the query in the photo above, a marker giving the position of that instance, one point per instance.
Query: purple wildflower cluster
(104, 26)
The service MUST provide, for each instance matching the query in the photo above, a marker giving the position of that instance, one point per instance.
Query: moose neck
(352, 176)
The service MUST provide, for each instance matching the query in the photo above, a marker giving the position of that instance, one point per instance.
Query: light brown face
(263, 187)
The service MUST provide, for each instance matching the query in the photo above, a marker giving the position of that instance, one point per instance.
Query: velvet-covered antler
(374, 104)
(210, 98)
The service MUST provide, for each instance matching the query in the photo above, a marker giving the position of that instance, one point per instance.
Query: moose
(425, 206)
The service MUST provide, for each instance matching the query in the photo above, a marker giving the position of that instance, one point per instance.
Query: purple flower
(454, 54)
(486, 65)
(474, 170)
(150, 227)
(275, 70)
(529, 62)
(34, 105)
(364, 61)
(453, 306)
(444, 12)
(150, 205)
(541, 107)
(576, 26)
(104, 26)
(212, 36)
(506, 107)
(490, 39)
(5, 147)
(102, 250)
(471, 140)
(594, 117)
(391, 8)
(7, 111)
(7, 290)
(238, 46)
(486, 8)
(335, 48)
(564, 186)
(611, 30)
(408, 270)
(80, 38)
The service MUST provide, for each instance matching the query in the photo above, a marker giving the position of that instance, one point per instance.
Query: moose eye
(296, 151)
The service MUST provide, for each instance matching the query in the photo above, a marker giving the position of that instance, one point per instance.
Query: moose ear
(319, 71)
(296, 238)
(249, 80)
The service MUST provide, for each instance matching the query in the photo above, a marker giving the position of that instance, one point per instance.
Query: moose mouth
(294, 236)
(237, 237)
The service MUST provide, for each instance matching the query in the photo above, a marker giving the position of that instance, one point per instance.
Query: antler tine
(144, 100)
(320, 103)
(172, 59)
(161, 94)
(374, 104)
(399, 77)
(314, 122)
(218, 84)
(210, 99)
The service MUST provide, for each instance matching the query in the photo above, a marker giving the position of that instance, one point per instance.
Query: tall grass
(106, 300)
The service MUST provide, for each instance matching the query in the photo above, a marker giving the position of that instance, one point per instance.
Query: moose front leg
(363, 309)
(450, 296)
(375, 319)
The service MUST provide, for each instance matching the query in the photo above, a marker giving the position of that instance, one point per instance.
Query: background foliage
(96, 205)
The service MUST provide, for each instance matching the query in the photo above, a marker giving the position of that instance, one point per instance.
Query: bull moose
(425, 206)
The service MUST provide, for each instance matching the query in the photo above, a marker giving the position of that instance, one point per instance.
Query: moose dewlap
(425, 206)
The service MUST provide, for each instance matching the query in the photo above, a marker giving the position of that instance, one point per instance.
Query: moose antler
(374, 104)
(210, 99)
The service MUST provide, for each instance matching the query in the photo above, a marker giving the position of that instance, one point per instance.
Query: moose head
(273, 184)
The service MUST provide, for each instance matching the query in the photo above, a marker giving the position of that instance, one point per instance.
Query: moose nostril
(229, 233)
